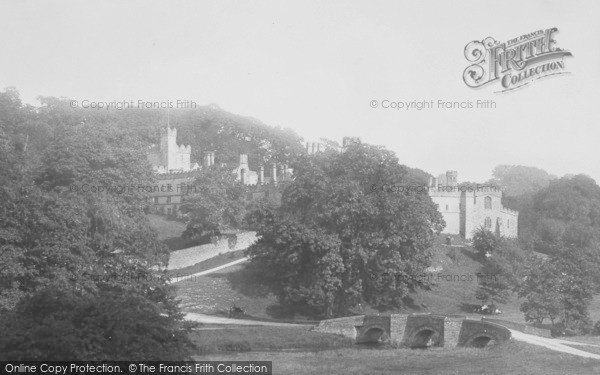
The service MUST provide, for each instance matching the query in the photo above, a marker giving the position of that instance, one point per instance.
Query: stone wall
(398, 327)
(452, 327)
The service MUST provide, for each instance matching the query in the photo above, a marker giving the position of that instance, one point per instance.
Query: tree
(61, 324)
(502, 271)
(485, 242)
(89, 251)
(215, 205)
(516, 180)
(560, 289)
(335, 239)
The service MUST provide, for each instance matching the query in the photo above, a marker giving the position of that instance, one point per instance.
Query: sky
(317, 67)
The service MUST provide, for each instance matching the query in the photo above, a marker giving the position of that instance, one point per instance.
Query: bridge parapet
(416, 330)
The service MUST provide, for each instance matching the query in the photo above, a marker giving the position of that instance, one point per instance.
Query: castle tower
(170, 156)
(452, 178)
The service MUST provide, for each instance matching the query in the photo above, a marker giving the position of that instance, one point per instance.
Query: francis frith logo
(514, 63)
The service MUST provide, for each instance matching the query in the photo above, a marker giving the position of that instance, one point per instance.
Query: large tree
(215, 204)
(339, 233)
(66, 251)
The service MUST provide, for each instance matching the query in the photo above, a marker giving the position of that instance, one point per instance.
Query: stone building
(466, 208)
(168, 157)
(174, 172)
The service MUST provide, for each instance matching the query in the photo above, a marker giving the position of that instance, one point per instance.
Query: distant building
(465, 208)
(168, 157)
(174, 172)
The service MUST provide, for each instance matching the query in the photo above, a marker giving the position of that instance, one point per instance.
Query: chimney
(261, 175)
(274, 174)
(212, 158)
(308, 148)
(314, 148)
(206, 159)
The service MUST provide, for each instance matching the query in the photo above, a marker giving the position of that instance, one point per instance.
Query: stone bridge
(417, 330)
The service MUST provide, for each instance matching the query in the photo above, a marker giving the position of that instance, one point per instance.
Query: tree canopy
(338, 236)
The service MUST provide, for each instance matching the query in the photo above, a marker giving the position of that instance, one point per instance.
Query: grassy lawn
(217, 261)
(508, 358)
(169, 231)
(217, 292)
(244, 338)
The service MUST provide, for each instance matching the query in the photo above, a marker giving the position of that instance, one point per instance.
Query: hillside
(216, 292)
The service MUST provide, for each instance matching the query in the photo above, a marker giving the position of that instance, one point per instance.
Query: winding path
(190, 277)
(211, 319)
(554, 344)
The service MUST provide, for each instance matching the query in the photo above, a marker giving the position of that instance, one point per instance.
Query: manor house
(175, 174)
(465, 208)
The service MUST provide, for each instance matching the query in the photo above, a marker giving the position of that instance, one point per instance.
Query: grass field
(215, 293)
(508, 358)
(169, 231)
(259, 338)
(319, 353)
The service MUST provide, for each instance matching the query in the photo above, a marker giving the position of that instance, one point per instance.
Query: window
(168, 199)
(446, 207)
(488, 223)
(487, 203)
(155, 199)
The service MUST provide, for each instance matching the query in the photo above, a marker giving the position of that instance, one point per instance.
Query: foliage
(516, 180)
(335, 237)
(559, 289)
(97, 248)
(216, 204)
(62, 324)
(502, 272)
(485, 242)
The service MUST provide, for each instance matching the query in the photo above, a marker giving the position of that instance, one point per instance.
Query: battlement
(172, 175)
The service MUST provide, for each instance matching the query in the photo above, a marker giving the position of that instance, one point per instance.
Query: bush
(485, 241)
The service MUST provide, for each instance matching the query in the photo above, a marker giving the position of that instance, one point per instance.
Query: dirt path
(192, 255)
(553, 344)
(192, 276)
(202, 318)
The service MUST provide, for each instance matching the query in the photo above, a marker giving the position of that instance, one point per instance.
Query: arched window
(487, 203)
(488, 223)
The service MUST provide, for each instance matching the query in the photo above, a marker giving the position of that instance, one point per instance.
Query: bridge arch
(481, 340)
(424, 337)
(480, 334)
(373, 334)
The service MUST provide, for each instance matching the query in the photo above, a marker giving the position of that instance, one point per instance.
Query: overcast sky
(315, 66)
